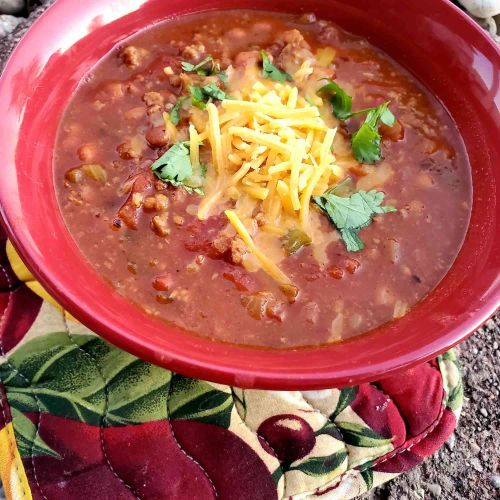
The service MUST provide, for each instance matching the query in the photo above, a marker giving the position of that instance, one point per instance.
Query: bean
(162, 283)
(157, 137)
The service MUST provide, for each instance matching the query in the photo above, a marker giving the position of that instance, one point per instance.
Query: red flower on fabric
(380, 413)
(181, 459)
(418, 393)
(19, 306)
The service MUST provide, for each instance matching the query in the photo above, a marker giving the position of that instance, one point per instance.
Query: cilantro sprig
(351, 214)
(175, 168)
(201, 95)
(340, 99)
(175, 113)
(271, 72)
(223, 77)
(366, 141)
(206, 67)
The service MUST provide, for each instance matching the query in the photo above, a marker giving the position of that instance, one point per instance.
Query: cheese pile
(271, 152)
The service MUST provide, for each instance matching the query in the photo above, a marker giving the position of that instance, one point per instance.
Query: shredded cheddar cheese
(271, 132)
(214, 135)
(303, 72)
(267, 264)
(271, 151)
(170, 127)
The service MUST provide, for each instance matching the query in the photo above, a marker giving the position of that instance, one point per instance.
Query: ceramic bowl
(433, 39)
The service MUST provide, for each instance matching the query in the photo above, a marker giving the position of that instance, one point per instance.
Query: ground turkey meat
(133, 56)
(230, 248)
(294, 52)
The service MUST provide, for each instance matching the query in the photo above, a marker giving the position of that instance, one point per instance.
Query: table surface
(464, 467)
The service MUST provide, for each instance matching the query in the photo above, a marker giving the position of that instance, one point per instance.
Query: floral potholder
(81, 419)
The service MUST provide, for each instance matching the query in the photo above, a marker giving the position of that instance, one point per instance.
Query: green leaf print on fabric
(359, 435)
(455, 397)
(277, 475)
(319, 466)
(137, 390)
(450, 355)
(331, 430)
(29, 443)
(452, 383)
(85, 379)
(192, 399)
(240, 402)
(347, 395)
(367, 476)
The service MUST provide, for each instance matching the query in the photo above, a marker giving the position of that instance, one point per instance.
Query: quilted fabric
(82, 419)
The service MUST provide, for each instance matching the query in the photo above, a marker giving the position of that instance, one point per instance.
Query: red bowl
(439, 44)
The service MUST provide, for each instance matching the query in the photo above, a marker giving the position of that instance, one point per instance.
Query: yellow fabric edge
(12, 473)
(24, 274)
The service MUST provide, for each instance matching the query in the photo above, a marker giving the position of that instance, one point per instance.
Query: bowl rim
(196, 367)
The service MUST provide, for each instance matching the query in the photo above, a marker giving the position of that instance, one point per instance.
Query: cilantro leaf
(202, 67)
(223, 77)
(213, 91)
(340, 99)
(350, 215)
(270, 71)
(197, 96)
(366, 141)
(351, 239)
(380, 113)
(175, 164)
(187, 66)
(175, 116)
(206, 67)
(200, 96)
(175, 167)
(366, 144)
